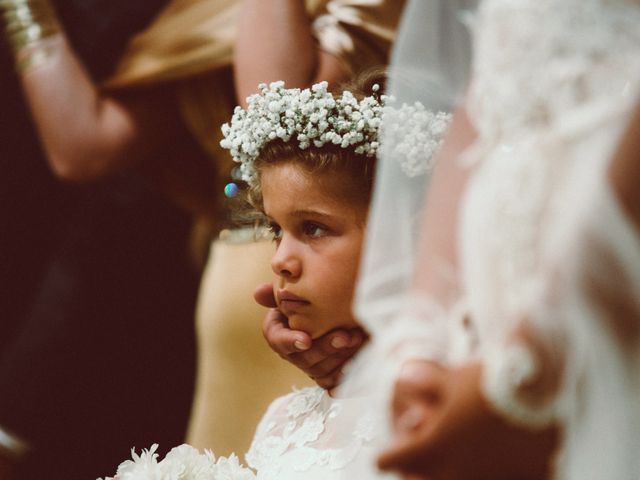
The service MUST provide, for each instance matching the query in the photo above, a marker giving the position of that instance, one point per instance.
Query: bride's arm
(275, 42)
(440, 216)
(85, 132)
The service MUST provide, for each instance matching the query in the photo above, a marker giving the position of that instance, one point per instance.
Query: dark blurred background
(97, 350)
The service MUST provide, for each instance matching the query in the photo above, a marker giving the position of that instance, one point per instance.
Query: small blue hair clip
(231, 190)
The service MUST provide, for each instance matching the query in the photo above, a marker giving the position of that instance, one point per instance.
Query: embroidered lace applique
(300, 432)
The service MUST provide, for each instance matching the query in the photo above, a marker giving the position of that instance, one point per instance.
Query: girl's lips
(289, 301)
(286, 296)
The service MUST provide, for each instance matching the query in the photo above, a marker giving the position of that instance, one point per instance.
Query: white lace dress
(298, 438)
(550, 262)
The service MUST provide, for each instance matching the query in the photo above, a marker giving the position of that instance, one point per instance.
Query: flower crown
(315, 117)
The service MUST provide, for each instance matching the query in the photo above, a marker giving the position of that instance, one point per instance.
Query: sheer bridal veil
(430, 65)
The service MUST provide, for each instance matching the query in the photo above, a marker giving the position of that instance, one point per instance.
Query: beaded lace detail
(299, 437)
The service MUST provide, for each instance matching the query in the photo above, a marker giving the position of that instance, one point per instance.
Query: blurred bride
(516, 296)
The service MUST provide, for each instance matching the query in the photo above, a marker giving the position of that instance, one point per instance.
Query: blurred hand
(444, 429)
(321, 359)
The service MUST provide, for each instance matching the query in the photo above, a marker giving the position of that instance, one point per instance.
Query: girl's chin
(303, 324)
(308, 325)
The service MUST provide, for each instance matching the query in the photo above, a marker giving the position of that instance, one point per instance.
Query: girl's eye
(314, 230)
(275, 230)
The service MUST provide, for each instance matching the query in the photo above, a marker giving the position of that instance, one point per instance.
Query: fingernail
(300, 345)
(339, 342)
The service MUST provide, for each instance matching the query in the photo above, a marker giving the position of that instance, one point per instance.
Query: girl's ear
(624, 169)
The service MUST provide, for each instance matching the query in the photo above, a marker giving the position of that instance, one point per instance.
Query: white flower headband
(314, 117)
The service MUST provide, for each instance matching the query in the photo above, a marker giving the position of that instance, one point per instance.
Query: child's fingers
(280, 337)
(339, 340)
(263, 295)
(323, 362)
(328, 372)
(329, 365)
(338, 345)
(321, 359)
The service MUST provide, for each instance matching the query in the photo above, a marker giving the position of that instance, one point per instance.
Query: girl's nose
(286, 262)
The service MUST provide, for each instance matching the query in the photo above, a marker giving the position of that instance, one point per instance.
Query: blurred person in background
(97, 291)
(160, 114)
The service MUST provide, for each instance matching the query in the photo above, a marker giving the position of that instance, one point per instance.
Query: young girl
(308, 158)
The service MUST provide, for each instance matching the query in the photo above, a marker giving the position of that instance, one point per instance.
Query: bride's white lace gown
(550, 264)
(301, 437)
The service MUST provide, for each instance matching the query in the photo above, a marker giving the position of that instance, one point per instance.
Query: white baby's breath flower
(413, 135)
(188, 464)
(229, 468)
(313, 116)
(141, 466)
(181, 463)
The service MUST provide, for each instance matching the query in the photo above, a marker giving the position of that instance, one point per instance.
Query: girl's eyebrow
(303, 213)
(316, 213)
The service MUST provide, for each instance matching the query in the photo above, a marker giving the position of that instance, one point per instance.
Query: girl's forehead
(293, 185)
(334, 183)
(295, 179)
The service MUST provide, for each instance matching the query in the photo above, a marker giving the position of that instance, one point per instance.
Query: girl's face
(318, 234)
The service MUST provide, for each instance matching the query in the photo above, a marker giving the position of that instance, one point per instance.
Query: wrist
(28, 24)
